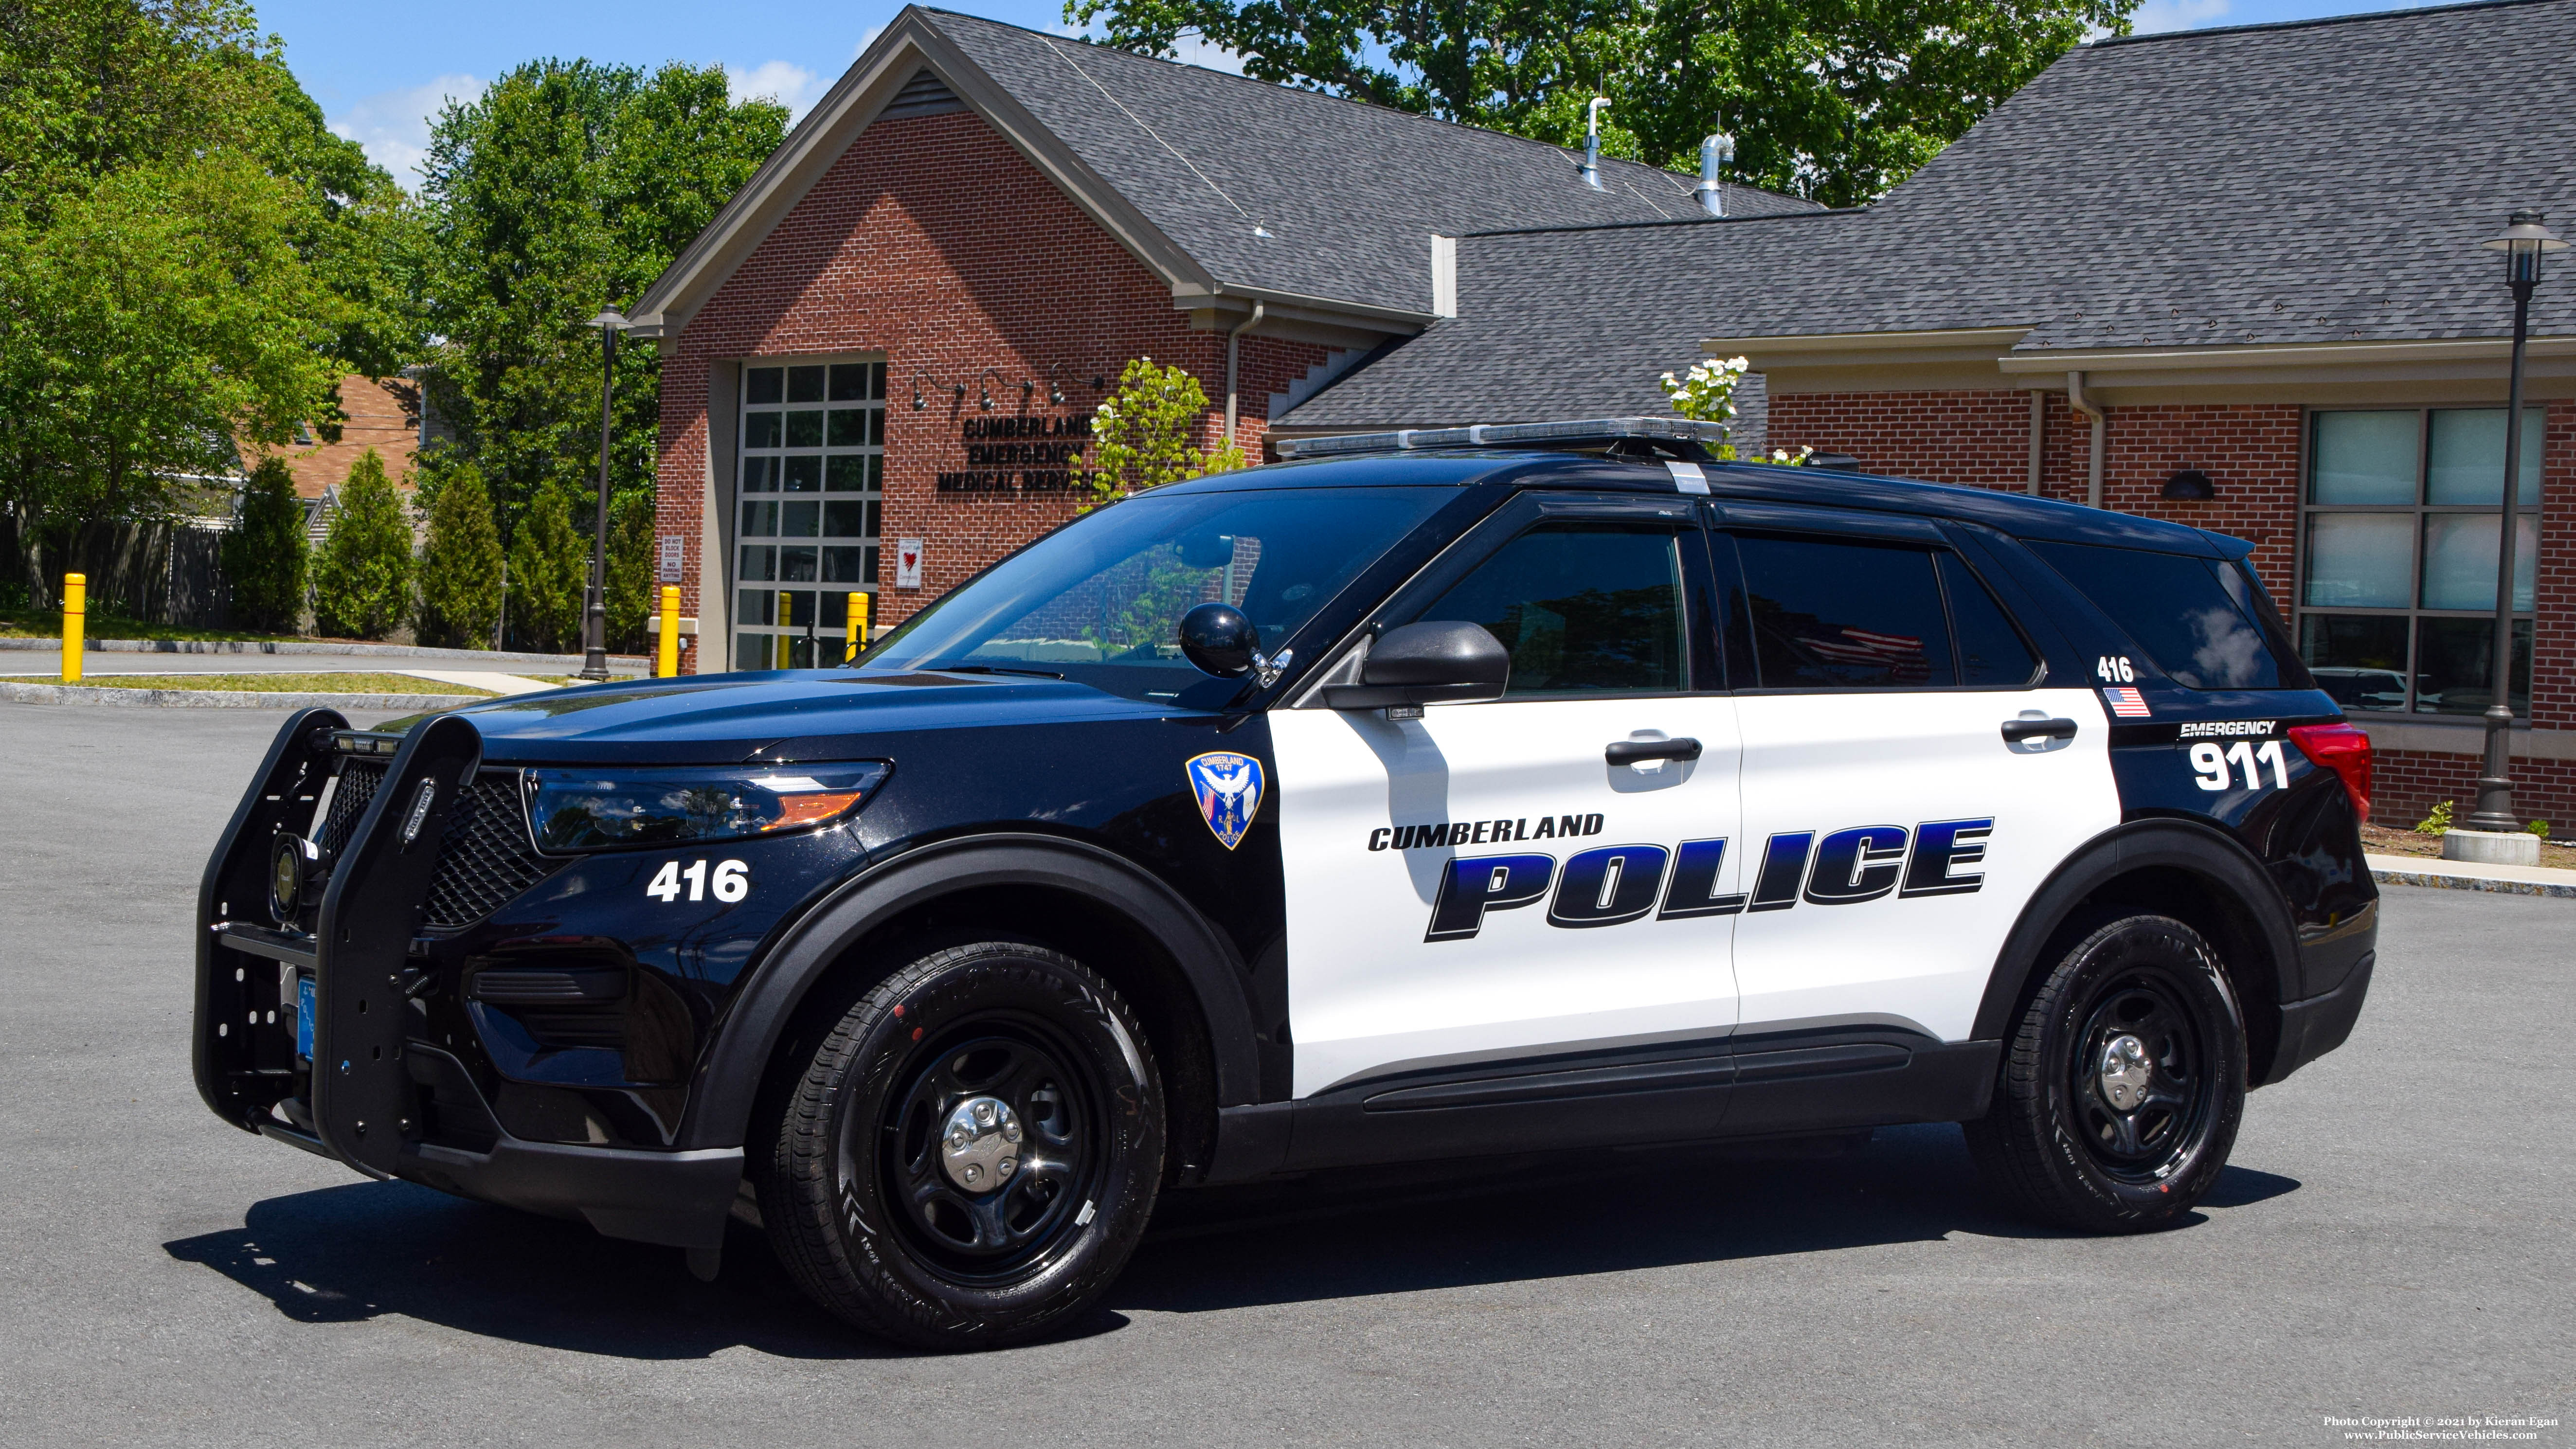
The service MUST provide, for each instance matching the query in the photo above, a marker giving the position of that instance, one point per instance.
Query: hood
(778, 716)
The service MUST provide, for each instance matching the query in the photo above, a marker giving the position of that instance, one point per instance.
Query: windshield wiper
(994, 669)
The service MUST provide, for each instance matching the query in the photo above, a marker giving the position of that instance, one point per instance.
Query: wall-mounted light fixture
(984, 389)
(2189, 485)
(1055, 393)
(918, 376)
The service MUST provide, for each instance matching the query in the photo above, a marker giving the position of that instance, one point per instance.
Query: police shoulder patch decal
(1228, 787)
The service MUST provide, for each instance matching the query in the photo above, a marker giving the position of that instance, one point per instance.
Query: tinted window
(1835, 615)
(1100, 600)
(1582, 607)
(1991, 650)
(2191, 615)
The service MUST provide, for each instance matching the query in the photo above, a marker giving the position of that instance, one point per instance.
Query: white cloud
(393, 126)
(2161, 15)
(1193, 50)
(783, 81)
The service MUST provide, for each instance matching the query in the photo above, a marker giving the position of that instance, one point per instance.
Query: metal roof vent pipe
(1592, 141)
(1715, 154)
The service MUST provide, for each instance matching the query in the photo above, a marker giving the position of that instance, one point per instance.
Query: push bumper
(2317, 1025)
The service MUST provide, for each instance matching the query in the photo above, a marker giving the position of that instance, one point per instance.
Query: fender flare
(2217, 858)
(729, 1075)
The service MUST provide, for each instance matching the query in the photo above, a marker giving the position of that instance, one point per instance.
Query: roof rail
(1510, 435)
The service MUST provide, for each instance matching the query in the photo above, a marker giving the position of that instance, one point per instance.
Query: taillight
(2344, 750)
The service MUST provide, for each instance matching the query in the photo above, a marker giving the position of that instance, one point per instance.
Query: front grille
(485, 859)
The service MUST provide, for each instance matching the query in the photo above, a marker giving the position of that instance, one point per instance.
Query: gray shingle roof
(2322, 181)
(1559, 324)
(1350, 193)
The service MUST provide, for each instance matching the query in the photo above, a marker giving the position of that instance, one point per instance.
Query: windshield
(1100, 601)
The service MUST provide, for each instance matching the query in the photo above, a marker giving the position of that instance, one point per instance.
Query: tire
(909, 1225)
(2087, 1133)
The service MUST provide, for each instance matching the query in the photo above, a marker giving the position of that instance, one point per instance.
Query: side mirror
(1220, 640)
(1428, 663)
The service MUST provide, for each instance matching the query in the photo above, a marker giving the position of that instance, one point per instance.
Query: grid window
(808, 503)
(2397, 587)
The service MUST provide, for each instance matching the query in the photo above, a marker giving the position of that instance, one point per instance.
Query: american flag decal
(1900, 654)
(2127, 703)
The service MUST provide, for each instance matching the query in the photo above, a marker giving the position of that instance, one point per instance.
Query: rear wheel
(2122, 1085)
(969, 1157)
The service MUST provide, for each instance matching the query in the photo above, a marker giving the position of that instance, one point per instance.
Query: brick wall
(933, 242)
(2251, 451)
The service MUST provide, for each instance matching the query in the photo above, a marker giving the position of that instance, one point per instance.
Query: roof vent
(923, 95)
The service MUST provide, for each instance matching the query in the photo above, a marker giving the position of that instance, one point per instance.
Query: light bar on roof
(1505, 435)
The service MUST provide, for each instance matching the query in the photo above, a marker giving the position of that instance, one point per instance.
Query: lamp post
(2523, 243)
(594, 621)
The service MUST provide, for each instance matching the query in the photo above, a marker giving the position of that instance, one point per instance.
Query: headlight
(604, 809)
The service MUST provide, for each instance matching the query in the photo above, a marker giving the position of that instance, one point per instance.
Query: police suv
(1427, 795)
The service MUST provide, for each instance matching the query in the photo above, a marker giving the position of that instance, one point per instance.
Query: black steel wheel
(971, 1151)
(2123, 1083)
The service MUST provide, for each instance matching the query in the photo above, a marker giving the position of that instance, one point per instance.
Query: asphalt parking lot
(2393, 1238)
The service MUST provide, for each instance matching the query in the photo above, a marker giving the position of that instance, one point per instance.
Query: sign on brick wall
(907, 563)
(669, 570)
(1020, 455)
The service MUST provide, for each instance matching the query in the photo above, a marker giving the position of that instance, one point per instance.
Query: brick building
(2229, 278)
(879, 360)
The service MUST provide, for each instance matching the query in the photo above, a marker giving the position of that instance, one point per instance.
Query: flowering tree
(1706, 394)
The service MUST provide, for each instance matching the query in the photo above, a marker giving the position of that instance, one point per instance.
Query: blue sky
(379, 83)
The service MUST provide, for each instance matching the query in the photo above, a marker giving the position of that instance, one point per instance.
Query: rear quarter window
(2200, 620)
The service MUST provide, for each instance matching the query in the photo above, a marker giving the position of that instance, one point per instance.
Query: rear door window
(1831, 614)
(2194, 617)
(1991, 650)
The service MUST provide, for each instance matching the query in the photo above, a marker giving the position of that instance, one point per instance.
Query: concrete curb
(2511, 880)
(227, 698)
(570, 662)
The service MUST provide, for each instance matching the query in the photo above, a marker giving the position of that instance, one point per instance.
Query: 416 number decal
(730, 882)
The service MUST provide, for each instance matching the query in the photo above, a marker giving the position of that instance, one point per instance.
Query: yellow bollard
(75, 624)
(786, 620)
(858, 628)
(666, 662)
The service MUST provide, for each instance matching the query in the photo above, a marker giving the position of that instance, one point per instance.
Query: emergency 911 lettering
(1610, 885)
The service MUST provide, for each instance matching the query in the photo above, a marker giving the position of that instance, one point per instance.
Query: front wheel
(2123, 1084)
(971, 1154)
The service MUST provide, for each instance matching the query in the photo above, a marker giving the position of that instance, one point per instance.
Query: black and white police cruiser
(1427, 795)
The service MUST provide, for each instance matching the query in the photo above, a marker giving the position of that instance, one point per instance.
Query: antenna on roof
(1715, 154)
(1592, 141)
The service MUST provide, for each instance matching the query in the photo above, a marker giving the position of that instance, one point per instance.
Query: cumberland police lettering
(1480, 832)
(1610, 885)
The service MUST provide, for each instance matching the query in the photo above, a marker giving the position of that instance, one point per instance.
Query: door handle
(2018, 730)
(1629, 752)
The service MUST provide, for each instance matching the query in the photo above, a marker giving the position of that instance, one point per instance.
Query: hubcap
(2141, 1077)
(992, 1149)
(2125, 1072)
(980, 1144)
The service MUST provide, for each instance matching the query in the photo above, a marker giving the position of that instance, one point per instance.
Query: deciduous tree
(1831, 99)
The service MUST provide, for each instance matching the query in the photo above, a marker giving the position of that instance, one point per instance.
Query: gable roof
(1190, 168)
(1565, 323)
(2239, 197)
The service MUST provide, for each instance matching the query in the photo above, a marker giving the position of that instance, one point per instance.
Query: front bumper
(376, 1095)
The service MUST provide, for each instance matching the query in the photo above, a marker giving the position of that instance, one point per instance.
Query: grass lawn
(348, 682)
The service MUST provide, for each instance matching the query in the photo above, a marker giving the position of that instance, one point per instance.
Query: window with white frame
(808, 503)
(2397, 579)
